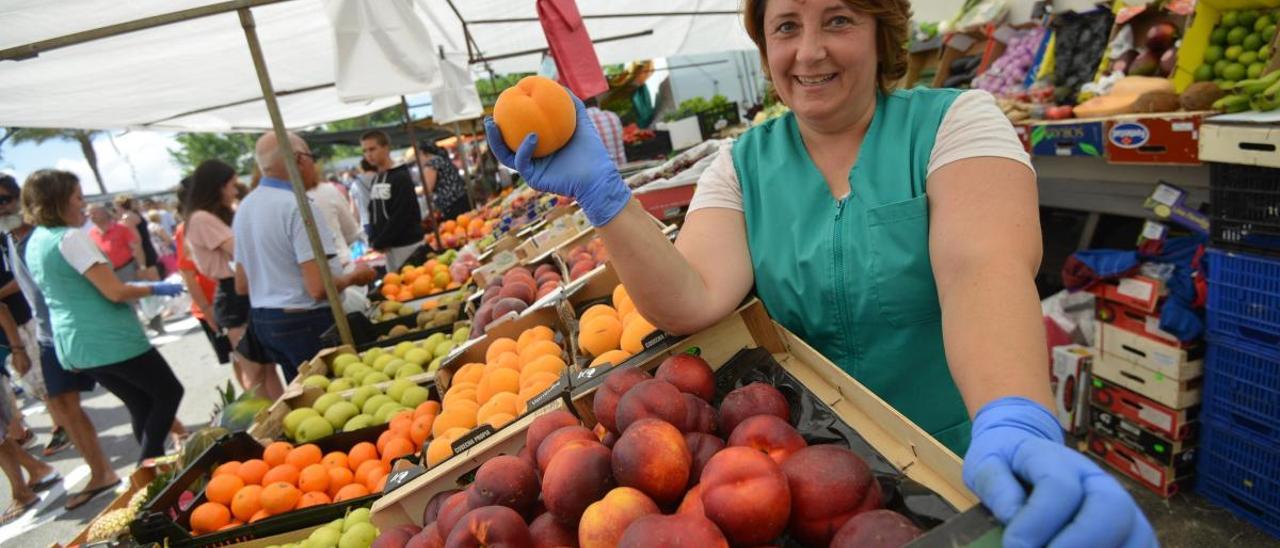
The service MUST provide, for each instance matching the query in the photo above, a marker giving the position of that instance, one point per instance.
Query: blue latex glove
(1072, 502)
(582, 169)
(165, 289)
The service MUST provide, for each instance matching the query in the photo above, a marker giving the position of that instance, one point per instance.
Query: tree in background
(233, 148)
(84, 137)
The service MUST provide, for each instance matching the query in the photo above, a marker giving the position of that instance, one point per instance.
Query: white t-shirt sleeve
(80, 251)
(974, 127)
(718, 185)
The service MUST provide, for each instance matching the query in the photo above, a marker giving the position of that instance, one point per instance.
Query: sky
(130, 161)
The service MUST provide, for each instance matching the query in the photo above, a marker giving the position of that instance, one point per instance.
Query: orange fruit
(229, 467)
(420, 430)
(361, 452)
(313, 498)
(538, 348)
(252, 470)
(370, 467)
(222, 488)
(231, 525)
(399, 446)
(453, 285)
(535, 333)
(376, 484)
(352, 491)
(280, 497)
(600, 334)
(448, 226)
(391, 291)
(408, 277)
(383, 438)
(614, 357)
(464, 219)
(498, 346)
(314, 478)
(427, 408)
(303, 456)
(335, 459)
(502, 380)
(339, 478)
(401, 423)
(209, 516)
(391, 279)
(247, 502)
(259, 515)
(633, 334)
(422, 287)
(406, 294)
(536, 105)
(541, 364)
(285, 473)
(275, 453)
(453, 419)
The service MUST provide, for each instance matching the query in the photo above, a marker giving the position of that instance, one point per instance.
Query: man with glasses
(275, 265)
(395, 221)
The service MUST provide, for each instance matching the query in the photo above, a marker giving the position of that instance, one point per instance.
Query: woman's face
(822, 58)
(73, 215)
(229, 192)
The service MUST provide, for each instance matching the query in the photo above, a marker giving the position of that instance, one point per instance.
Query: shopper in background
(335, 211)
(94, 330)
(162, 241)
(209, 239)
(275, 265)
(62, 386)
(131, 218)
(121, 244)
(13, 460)
(201, 288)
(394, 217)
(609, 126)
(895, 231)
(441, 178)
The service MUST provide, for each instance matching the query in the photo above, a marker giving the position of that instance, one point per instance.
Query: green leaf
(1089, 149)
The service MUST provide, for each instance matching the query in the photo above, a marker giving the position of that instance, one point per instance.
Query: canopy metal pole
(295, 176)
(422, 171)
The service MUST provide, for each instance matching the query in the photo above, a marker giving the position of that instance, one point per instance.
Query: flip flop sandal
(17, 510)
(27, 440)
(83, 497)
(51, 479)
(59, 441)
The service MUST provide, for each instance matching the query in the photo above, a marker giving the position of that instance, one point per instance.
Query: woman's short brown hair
(893, 25)
(46, 196)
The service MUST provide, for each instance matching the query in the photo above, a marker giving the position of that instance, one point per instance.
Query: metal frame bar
(541, 50)
(610, 16)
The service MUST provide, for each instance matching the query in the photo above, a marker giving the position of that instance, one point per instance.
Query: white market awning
(197, 75)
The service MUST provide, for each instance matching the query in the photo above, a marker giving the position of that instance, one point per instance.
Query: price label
(1166, 195)
(396, 479)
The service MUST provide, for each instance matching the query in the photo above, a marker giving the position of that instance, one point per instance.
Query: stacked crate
(1239, 464)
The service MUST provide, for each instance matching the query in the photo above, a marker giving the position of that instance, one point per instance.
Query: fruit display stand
(270, 425)
(741, 347)
(599, 287)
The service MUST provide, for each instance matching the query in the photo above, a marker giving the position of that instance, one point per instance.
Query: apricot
(680, 530)
(546, 532)
(576, 477)
(489, 526)
(605, 520)
(605, 404)
(768, 434)
(538, 348)
(633, 334)
(600, 334)
(702, 447)
(739, 474)
(753, 399)
(499, 345)
(504, 481)
(829, 485)
(876, 529)
(496, 382)
(691, 374)
(614, 357)
(558, 440)
(451, 419)
(651, 399)
(652, 456)
(545, 424)
(541, 364)
(699, 416)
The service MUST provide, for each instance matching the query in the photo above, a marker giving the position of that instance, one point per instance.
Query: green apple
(362, 394)
(414, 396)
(461, 334)
(341, 362)
(339, 385)
(397, 388)
(382, 361)
(323, 402)
(356, 370)
(435, 364)
(417, 356)
(409, 370)
(443, 349)
(295, 418)
(326, 536)
(313, 429)
(339, 413)
(384, 412)
(357, 422)
(359, 515)
(372, 404)
(318, 381)
(358, 535)
(391, 368)
(373, 377)
(370, 355)
(401, 348)
(336, 525)
(432, 341)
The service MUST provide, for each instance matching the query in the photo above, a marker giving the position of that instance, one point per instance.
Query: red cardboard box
(1166, 390)
(1162, 480)
(1137, 322)
(1154, 139)
(1166, 452)
(1137, 292)
(1175, 424)
(1068, 378)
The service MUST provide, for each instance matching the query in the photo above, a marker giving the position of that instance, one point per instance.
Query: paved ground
(1185, 520)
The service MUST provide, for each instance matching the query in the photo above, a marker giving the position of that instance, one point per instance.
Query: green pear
(318, 381)
(356, 370)
(370, 355)
(339, 413)
(397, 388)
(374, 377)
(443, 349)
(461, 334)
(401, 348)
(435, 364)
(313, 429)
(362, 394)
(413, 396)
(372, 404)
(409, 370)
(391, 368)
(384, 412)
(325, 536)
(430, 342)
(296, 417)
(358, 535)
(357, 422)
(323, 403)
(339, 385)
(417, 356)
(359, 515)
(382, 361)
(341, 362)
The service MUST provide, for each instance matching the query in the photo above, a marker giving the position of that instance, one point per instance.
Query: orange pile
(613, 333)
(289, 478)
(497, 391)
(417, 281)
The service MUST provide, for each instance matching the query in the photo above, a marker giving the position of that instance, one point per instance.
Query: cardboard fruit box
(597, 288)
(1171, 361)
(1174, 393)
(1158, 449)
(1165, 481)
(744, 347)
(269, 426)
(1174, 424)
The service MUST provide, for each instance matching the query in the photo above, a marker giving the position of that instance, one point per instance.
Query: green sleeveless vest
(88, 330)
(852, 277)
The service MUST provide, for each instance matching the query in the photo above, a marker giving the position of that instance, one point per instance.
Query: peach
(753, 399)
(428, 537)
(829, 485)
(546, 289)
(489, 526)
(545, 424)
(451, 513)
(876, 529)
(504, 481)
(547, 277)
(558, 440)
(517, 273)
(549, 533)
(768, 434)
(699, 416)
(678, 531)
(692, 503)
(609, 439)
(393, 538)
(605, 520)
(691, 374)
(581, 268)
(507, 305)
(619, 381)
(577, 477)
(432, 510)
(739, 474)
(652, 457)
(702, 447)
(543, 269)
(650, 399)
(522, 291)
(527, 456)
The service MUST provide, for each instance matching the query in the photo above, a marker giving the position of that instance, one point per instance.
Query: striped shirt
(609, 126)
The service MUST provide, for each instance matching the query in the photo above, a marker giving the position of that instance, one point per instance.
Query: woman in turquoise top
(917, 279)
(94, 328)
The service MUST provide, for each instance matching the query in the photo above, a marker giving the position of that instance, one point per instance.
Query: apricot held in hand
(536, 105)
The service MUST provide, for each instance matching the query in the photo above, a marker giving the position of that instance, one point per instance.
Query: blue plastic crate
(1240, 472)
(1242, 388)
(1244, 299)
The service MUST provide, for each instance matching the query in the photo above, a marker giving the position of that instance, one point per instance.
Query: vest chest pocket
(902, 275)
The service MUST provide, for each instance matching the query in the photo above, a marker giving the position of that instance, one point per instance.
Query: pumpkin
(536, 105)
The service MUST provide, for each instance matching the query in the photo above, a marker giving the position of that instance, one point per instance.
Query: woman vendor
(896, 231)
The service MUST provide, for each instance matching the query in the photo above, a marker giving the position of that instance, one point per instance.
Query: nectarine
(678, 531)
(753, 399)
(651, 456)
(876, 529)
(576, 477)
(619, 381)
(489, 526)
(829, 485)
(651, 399)
(604, 522)
(768, 434)
(691, 374)
(504, 480)
(739, 474)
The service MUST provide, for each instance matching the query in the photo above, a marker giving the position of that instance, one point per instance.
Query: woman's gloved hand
(1043, 491)
(581, 169)
(164, 289)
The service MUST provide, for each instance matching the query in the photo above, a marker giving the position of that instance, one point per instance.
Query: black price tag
(396, 479)
(552, 392)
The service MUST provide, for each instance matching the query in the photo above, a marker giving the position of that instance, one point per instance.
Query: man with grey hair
(275, 265)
